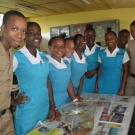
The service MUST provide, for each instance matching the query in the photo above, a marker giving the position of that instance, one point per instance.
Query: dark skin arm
(19, 100)
(79, 89)
(52, 105)
(98, 75)
(90, 74)
(71, 91)
(124, 78)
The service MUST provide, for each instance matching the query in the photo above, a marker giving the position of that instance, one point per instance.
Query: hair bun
(64, 36)
(89, 26)
(109, 29)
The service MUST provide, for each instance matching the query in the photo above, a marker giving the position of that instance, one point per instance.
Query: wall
(125, 15)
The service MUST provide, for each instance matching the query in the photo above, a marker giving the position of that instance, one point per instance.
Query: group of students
(48, 81)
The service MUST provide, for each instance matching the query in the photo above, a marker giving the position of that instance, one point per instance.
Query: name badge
(120, 53)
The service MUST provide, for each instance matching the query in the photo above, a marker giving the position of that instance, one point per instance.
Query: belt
(2, 112)
(133, 75)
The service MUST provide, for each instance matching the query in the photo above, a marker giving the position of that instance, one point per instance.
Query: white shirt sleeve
(15, 63)
(99, 60)
(125, 58)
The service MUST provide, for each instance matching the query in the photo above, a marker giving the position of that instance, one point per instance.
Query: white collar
(88, 52)
(25, 50)
(78, 59)
(31, 58)
(56, 63)
(68, 59)
(113, 54)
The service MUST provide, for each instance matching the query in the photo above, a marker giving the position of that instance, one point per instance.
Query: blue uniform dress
(92, 60)
(110, 78)
(59, 74)
(32, 79)
(78, 68)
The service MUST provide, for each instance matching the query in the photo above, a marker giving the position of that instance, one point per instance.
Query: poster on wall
(65, 29)
(75, 29)
(99, 28)
(100, 31)
(112, 25)
(54, 31)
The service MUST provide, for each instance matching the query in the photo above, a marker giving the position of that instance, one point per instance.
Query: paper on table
(53, 124)
(44, 131)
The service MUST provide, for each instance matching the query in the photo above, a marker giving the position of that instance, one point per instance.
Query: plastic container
(77, 118)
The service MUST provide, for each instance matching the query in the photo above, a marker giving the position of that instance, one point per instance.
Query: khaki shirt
(131, 46)
(6, 76)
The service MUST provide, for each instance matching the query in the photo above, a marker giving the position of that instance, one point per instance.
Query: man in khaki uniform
(130, 87)
(13, 29)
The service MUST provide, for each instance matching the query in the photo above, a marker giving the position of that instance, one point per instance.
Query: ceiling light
(86, 2)
(24, 7)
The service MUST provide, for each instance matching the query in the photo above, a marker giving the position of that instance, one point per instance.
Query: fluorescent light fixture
(86, 2)
(24, 7)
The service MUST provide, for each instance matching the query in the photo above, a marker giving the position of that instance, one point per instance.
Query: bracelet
(56, 109)
(75, 100)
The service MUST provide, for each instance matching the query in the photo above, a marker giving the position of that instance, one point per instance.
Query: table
(122, 104)
(107, 104)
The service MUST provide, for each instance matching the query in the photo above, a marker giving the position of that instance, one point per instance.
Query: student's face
(123, 39)
(90, 36)
(132, 30)
(69, 48)
(111, 40)
(14, 32)
(79, 45)
(33, 36)
(57, 48)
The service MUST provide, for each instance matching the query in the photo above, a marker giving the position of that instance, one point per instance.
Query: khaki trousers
(6, 124)
(130, 87)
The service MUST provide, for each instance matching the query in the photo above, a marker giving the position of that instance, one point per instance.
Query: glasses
(80, 42)
(58, 47)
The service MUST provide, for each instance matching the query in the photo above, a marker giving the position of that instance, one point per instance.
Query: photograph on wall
(112, 25)
(65, 29)
(55, 31)
(75, 29)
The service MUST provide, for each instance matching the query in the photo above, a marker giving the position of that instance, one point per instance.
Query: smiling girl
(32, 72)
(111, 62)
(59, 72)
(78, 64)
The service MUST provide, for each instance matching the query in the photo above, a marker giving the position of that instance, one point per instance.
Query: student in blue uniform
(69, 49)
(32, 69)
(91, 53)
(78, 64)
(59, 72)
(112, 61)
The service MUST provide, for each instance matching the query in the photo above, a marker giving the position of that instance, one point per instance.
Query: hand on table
(79, 97)
(121, 92)
(57, 114)
(51, 116)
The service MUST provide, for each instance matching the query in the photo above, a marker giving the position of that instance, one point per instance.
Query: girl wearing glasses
(78, 64)
(91, 53)
(59, 72)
